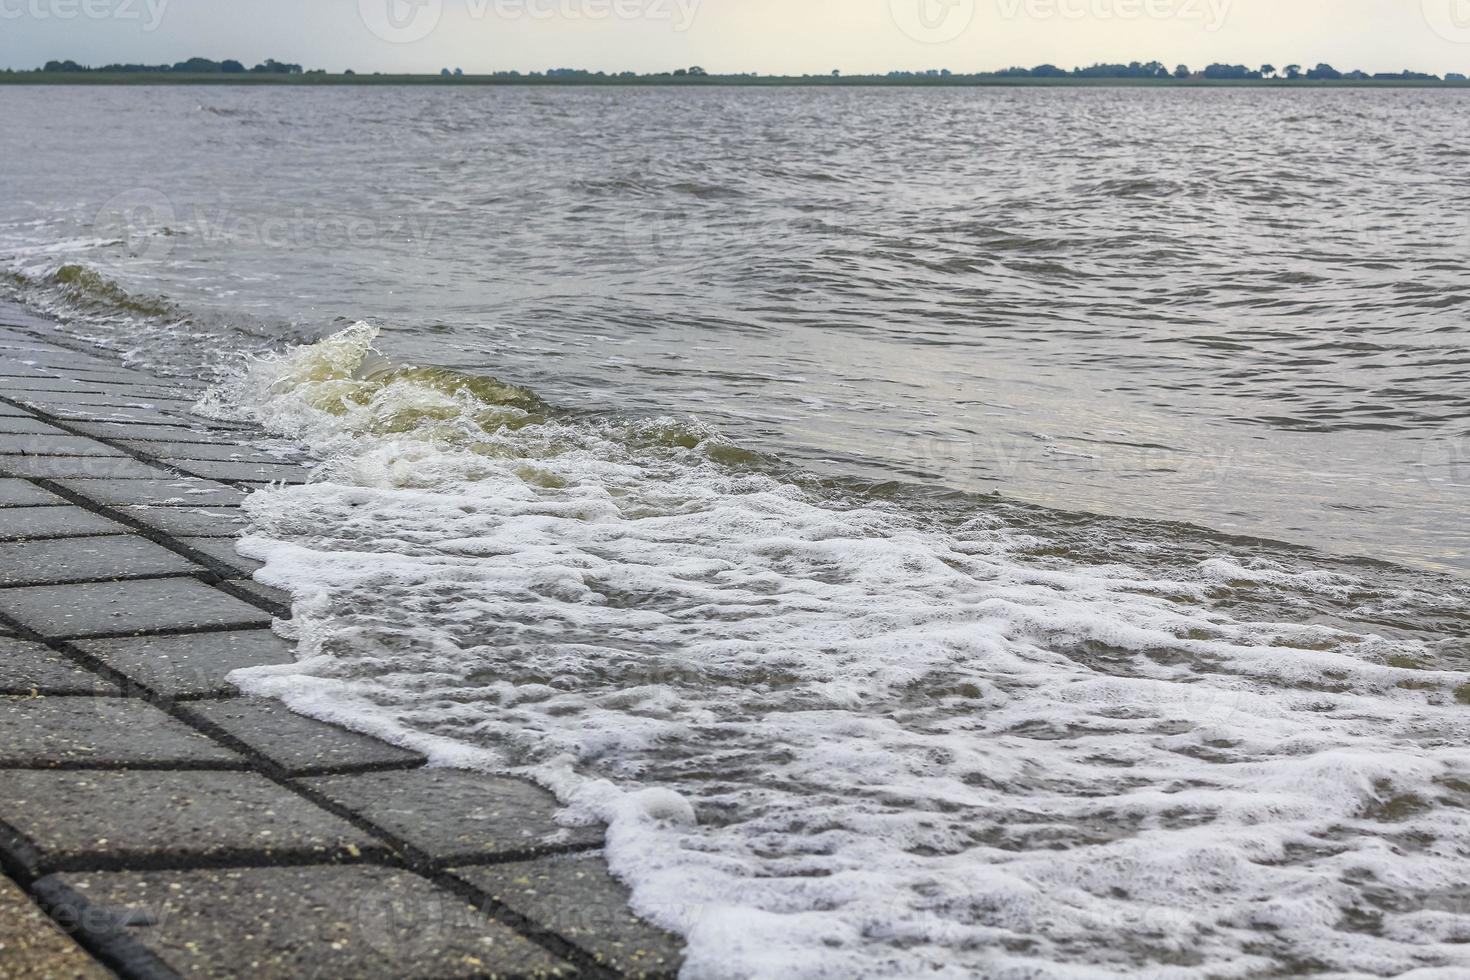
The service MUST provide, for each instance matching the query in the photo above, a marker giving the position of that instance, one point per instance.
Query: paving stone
(190, 666)
(30, 668)
(298, 744)
(74, 820)
(247, 472)
(576, 897)
(15, 425)
(288, 923)
(223, 550)
(279, 597)
(220, 522)
(19, 444)
(102, 399)
(173, 492)
(41, 381)
(458, 817)
(62, 731)
(180, 432)
(101, 413)
(79, 467)
(19, 493)
(23, 523)
(224, 451)
(10, 411)
(32, 947)
(127, 608)
(91, 559)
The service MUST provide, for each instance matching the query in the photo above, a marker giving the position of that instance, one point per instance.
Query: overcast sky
(766, 36)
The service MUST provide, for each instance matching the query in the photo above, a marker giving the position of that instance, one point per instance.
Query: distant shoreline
(705, 81)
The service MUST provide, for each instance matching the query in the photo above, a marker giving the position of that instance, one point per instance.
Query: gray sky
(767, 36)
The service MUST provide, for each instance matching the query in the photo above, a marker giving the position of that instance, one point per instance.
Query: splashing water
(837, 735)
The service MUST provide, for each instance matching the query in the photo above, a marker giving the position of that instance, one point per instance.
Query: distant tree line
(1132, 70)
(1154, 69)
(194, 66)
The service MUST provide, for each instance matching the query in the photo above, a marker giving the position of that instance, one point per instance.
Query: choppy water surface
(777, 542)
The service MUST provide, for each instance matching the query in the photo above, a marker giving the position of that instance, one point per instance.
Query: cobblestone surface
(153, 822)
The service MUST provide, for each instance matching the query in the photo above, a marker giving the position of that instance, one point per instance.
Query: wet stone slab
(20, 444)
(217, 522)
(32, 669)
(190, 666)
(178, 431)
(127, 608)
(243, 472)
(576, 897)
(21, 493)
(223, 451)
(33, 947)
(61, 732)
(170, 492)
(96, 820)
(27, 523)
(295, 743)
(458, 817)
(223, 551)
(14, 425)
(287, 923)
(87, 560)
(79, 467)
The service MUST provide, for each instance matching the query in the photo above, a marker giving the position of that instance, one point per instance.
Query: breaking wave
(837, 735)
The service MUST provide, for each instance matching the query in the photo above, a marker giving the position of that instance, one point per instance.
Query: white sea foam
(833, 738)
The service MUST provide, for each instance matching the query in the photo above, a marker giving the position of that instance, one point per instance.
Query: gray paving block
(15, 425)
(69, 820)
(193, 665)
(72, 731)
(458, 817)
(25, 523)
(289, 923)
(224, 451)
(102, 413)
(79, 467)
(220, 522)
(179, 432)
(223, 550)
(19, 493)
(127, 608)
(178, 491)
(20, 444)
(30, 668)
(101, 399)
(40, 381)
(10, 411)
(248, 472)
(92, 559)
(577, 898)
(298, 744)
(33, 947)
(278, 596)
